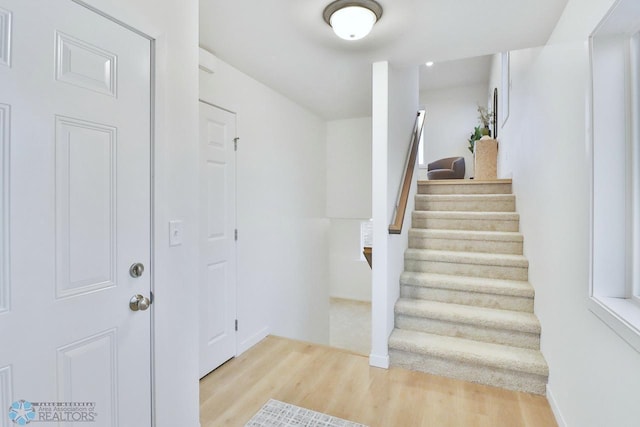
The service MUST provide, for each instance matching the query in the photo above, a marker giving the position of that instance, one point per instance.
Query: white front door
(75, 95)
(217, 237)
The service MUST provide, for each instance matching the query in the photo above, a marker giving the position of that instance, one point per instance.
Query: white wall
(174, 25)
(349, 272)
(403, 108)
(395, 105)
(349, 168)
(595, 374)
(451, 115)
(281, 195)
(348, 204)
(379, 356)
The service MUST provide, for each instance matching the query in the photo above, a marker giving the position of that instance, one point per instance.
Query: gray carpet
(350, 325)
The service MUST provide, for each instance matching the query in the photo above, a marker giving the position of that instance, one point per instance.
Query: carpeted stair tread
(469, 351)
(499, 236)
(464, 197)
(464, 182)
(467, 215)
(465, 202)
(500, 186)
(469, 284)
(478, 258)
(465, 220)
(477, 316)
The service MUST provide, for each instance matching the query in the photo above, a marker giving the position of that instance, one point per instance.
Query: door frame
(152, 189)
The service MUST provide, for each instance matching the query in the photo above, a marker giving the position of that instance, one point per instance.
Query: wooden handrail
(403, 197)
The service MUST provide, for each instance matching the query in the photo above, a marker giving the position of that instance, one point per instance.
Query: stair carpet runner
(466, 308)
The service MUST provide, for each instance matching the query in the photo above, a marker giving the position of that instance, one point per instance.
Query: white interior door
(75, 138)
(217, 240)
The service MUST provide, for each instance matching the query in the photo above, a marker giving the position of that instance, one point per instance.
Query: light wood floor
(342, 384)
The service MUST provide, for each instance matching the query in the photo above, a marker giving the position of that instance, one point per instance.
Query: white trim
(621, 315)
(111, 18)
(628, 83)
(634, 160)
(152, 236)
(252, 340)
(5, 239)
(379, 361)
(555, 408)
(207, 61)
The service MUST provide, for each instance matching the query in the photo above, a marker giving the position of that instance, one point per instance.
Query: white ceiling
(286, 44)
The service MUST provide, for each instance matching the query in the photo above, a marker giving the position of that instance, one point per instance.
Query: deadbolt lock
(136, 270)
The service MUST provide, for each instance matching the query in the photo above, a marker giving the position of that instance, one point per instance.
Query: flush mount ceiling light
(352, 19)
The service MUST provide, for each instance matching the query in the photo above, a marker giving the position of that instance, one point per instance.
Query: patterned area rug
(279, 414)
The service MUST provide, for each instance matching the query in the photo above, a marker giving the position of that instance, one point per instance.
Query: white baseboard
(252, 340)
(555, 408)
(378, 361)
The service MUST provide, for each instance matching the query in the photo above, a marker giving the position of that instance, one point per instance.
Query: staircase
(466, 308)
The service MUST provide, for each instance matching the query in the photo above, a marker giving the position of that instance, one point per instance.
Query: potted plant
(476, 135)
(485, 117)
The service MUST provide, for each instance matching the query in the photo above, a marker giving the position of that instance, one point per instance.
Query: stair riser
(464, 189)
(466, 205)
(461, 269)
(468, 331)
(511, 380)
(497, 247)
(465, 224)
(503, 302)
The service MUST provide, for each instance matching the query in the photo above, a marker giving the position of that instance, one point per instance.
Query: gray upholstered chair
(449, 168)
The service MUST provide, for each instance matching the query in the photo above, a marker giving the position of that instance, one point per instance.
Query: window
(615, 222)
(421, 144)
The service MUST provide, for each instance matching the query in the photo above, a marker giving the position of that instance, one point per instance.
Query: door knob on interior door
(139, 303)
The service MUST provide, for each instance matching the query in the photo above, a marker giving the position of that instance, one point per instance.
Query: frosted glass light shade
(352, 22)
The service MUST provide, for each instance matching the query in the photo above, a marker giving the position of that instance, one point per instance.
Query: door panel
(84, 65)
(5, 37)
(85, 206)
(75, 140)
(77, 361)
(217, 242)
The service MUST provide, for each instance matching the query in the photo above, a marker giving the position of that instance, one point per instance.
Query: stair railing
(405, 185)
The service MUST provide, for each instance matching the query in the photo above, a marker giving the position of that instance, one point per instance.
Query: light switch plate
(176, 231)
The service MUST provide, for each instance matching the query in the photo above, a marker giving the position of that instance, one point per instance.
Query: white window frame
(634, 262)
(421, 153)
(615, 174)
